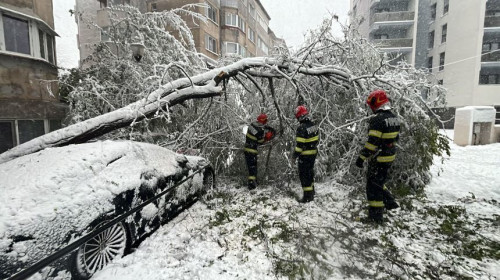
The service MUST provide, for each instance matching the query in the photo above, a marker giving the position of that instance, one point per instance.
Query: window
(232, 47)
(494, 46)
(431, 39)
(382, 10)
(17, 37)
(429, 63)
(154, 8)
(489, 79)
(211, 13)
(251, 35)
(261, 21)
(107, 3)
(50, 48)
(41, 40)
(446, 6)
(262, 45)
(444, 33)
(30, 129)
(210, 43)
(241, 24)
(7, 133)
(231, 19)
(441, 61)
(433, 12)
(251, 10)
(440, 82)
(235, 48)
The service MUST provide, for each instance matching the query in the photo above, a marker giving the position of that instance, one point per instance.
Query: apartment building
(234, 26)
(29, 105)
(457, 41)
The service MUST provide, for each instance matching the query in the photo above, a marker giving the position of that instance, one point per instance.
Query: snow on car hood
(73, 184)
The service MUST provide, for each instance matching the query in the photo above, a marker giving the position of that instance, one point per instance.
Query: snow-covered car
(51, 198)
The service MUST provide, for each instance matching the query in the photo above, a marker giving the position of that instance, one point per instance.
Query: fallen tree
(329, 75)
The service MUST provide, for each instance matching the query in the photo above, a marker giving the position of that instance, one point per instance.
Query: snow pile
(266, 234)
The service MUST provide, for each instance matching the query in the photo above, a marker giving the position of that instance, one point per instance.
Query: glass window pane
(16, 34)
(6, 135)
(54, 125)
(29, 129)
(41, 39)
(50, 48)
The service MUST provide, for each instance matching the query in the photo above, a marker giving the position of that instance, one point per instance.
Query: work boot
(376, 215)
(391, 204)
(308, 196)
(252, 185)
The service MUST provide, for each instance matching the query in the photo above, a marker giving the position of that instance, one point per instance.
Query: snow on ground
(266, 234)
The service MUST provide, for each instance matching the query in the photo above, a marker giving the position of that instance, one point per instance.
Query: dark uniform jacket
(307, 138)
(254, 137)
(383, 132)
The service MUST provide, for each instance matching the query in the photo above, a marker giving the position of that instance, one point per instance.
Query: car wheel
(208, 179)
(96, 253)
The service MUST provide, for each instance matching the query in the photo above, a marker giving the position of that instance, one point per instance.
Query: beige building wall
(29, 99)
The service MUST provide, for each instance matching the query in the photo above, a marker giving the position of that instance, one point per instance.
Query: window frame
(251, 35)
(432, 39)
(208, 40)
(433, 11)
(37, 31)
(430, 63)
(442, 58)
(446, 7)
(208, 14)
(444, 33)
(232, 17)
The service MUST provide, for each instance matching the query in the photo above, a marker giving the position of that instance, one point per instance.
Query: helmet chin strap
(386, 106)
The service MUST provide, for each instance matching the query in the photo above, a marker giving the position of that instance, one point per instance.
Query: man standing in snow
(257, 133)
(380, 151)
(306, 151)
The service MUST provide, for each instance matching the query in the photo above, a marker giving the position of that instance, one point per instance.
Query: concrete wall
(475, 125)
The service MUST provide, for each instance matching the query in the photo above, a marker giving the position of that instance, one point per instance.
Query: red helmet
(262, 118)
(376, 99)
(301, 111)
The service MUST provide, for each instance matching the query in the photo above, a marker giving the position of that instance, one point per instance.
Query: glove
(359, 162)
(268, 136)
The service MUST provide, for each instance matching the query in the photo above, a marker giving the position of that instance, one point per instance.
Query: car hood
(72, 185)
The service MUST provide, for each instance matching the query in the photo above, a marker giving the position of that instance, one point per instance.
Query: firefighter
(306, 151)
(257, 133)
(380, 152)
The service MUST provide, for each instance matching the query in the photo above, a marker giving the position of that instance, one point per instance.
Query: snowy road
(195, 246)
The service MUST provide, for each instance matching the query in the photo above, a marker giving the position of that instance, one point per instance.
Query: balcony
(397, 43)
(491, 21)
(393, 18)
(389, 2)
(237, 4)
(491, 57)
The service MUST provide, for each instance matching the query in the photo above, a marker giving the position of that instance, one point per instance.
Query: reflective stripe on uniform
(251, 137)
(390, 135)
(297, 149)
(253, 151)
(370, 146)
(307, 140)
(384, 188)
(362, 157)
(375, 133)
(309, 152)
(374, 203)
(308, 189)
(261, 141)
(252, 178)
(386, 158)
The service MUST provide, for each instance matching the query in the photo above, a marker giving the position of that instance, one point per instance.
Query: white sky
(290, 19)
(65, 25)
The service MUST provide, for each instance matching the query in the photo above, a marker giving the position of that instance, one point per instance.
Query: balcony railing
(392, 16)
(237, 4)
(491, 57)
(492, 21)
(394, 43)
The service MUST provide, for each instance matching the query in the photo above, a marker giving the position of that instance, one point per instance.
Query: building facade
(457, 41)
(29, 103)
(238, 27)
